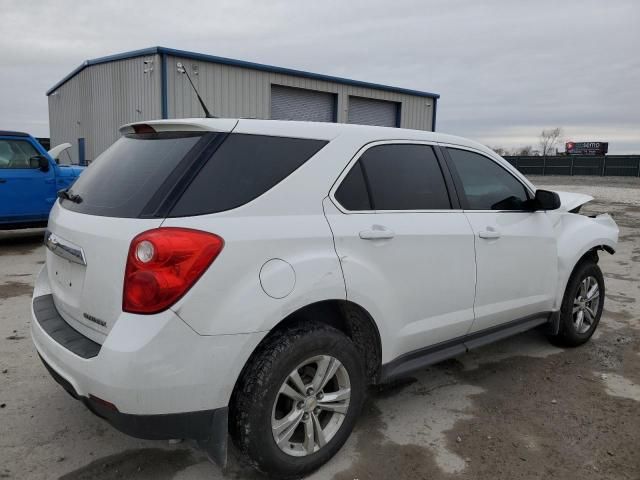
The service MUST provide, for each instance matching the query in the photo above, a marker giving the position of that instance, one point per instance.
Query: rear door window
(243, 168)
(352, 193)
(123, 180)
(398, 177)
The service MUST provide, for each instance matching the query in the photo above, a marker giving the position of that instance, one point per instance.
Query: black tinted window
(352, 192)
(243, 168)
(121, 181)
(404, 177)
(486, 185)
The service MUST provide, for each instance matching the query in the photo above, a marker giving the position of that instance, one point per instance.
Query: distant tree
(548, 140)
(525, 151)
(500, 151)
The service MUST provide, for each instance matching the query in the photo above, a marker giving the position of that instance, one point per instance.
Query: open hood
(570, 201)
(57, 150)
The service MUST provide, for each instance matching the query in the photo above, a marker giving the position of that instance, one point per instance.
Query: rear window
(124, 179)
(148, 175)
(243, 168)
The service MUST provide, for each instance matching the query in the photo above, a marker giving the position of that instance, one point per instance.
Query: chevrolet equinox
(208, 277)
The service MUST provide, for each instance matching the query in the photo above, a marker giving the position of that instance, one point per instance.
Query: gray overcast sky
(505, 69)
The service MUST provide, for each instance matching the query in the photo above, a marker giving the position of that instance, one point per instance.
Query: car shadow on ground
(20, 242)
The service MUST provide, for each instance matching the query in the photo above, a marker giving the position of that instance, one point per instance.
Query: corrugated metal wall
(101, 98)
(232, 91)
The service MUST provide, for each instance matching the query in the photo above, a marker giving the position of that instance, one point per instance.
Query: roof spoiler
(181, 125)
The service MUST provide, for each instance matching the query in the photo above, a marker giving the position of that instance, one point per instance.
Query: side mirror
(546, 200)
(39, 161)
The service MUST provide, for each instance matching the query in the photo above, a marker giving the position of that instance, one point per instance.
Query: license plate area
(69, 276)
(67, 282)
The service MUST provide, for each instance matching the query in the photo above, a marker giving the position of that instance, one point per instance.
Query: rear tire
(278, 421)
(582, 305)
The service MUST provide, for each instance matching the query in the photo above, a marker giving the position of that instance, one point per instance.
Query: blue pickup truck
(29, 181)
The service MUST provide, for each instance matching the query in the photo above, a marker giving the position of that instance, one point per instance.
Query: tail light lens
(163, 264)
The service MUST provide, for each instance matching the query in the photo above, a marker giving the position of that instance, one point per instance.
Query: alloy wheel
(586, 304)
(311, 406)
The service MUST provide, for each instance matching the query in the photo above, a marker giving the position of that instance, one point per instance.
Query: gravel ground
(517, 409)
(624, 190)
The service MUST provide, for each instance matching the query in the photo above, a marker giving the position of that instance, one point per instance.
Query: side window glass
(404, 177)
(486, 185)
(17, 154)
(243, 168)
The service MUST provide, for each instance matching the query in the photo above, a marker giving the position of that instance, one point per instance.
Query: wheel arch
(590, 252)
(348, 317)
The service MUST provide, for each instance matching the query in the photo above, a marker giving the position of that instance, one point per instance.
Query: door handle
(2, 180)
(377, 232)
(489, 234)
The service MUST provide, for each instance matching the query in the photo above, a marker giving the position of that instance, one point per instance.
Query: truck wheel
(298, 400)
(581, 306)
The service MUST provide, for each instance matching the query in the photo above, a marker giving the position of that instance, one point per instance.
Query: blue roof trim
(433, 115)
(236, 63)
(97, 61)
(164, 103)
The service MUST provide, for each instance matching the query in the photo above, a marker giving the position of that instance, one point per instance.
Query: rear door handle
(489, 234)
(2, 180)
(377, 232)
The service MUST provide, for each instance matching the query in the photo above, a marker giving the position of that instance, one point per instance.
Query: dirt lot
(519, 409)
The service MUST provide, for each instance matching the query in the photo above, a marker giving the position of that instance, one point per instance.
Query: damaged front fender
(576, 236)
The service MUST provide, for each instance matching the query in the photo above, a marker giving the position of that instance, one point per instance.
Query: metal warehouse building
(87, 107)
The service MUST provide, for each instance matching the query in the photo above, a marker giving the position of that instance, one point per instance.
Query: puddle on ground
(378, 457)
(550, 417)
(12, 289)
(619, 386)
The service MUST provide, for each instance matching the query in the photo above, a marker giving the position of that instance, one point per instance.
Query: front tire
(297, 400)
(581, 306)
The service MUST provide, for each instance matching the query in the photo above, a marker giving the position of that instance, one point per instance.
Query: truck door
(26, 191)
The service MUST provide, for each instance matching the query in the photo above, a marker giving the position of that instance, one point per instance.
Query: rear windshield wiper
(66, 194)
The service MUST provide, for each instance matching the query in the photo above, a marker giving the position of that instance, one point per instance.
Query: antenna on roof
(182, 69)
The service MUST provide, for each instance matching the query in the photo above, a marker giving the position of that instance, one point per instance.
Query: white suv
(208, 276)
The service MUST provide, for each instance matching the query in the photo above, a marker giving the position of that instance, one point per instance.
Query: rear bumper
(148, 366)
(207, 427)
(193, 425)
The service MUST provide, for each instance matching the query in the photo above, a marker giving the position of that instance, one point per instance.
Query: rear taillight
(163, 264)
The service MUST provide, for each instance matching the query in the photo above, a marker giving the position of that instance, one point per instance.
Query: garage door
(366, 111)
(300, 104)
